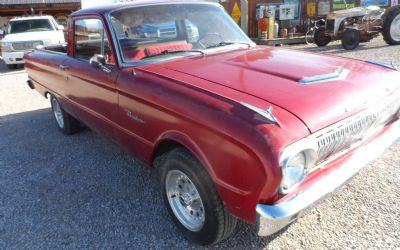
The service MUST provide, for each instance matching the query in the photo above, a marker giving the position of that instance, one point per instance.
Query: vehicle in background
(360, 24)
(25, 33)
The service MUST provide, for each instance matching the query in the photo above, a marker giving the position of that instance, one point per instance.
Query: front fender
(237, 173)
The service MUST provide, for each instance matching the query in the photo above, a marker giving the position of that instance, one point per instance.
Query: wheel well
(163, 148)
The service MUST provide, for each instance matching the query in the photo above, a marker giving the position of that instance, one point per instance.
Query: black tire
(350, 39)
(310, 37)
(70, 125)
(390, 15)
(218, 223)
(320, 37)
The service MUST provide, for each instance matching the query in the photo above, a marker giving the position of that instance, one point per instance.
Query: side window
(91, 39)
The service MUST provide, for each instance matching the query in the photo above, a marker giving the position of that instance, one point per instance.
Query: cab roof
(102, 10)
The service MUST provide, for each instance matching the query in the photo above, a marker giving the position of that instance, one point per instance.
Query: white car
(26, 33)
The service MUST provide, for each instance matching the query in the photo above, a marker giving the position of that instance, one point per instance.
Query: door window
(91, 39)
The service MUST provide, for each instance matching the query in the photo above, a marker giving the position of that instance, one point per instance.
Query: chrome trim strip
(266, 113)
(385, 65)
(272, 218)
(340, 74)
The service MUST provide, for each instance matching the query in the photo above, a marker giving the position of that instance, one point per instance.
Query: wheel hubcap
(185, 200)
(57, 112)
(395, 29)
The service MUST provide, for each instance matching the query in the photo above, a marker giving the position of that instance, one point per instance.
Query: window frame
(117, 48)
(106, 35)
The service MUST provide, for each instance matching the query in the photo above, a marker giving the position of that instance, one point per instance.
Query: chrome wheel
(185, 200)
(57, 112)
(395, 29)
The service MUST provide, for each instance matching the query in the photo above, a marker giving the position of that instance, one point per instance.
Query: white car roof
(31, 17)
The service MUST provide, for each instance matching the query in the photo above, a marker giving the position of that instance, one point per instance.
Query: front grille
(330, 25)
(28, 45)
(356, 129)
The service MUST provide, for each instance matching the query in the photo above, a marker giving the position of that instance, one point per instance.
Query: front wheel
(192, 200)
(350, 39)
(65, 122)
(321, 39)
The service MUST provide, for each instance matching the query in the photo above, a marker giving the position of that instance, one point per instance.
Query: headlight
(6, 46)
(296, 161)
(294, 171)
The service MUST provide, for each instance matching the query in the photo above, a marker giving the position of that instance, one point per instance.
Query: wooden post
(244, 20)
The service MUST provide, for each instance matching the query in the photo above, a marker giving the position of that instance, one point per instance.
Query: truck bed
(61, 48)
(43, 68)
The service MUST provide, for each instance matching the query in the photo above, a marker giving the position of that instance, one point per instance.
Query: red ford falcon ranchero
(236, 131)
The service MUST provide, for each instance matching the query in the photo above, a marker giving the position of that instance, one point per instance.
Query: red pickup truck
(236, 131)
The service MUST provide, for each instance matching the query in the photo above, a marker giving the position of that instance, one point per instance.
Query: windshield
(33, 25)
(163, 30)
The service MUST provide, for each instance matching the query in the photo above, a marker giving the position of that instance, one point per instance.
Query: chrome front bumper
(272, 218)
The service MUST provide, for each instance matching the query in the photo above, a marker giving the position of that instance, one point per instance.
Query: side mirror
(97, 61)
(2, 32)
(60, 27)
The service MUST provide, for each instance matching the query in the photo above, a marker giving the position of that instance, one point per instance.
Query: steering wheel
(202, 45)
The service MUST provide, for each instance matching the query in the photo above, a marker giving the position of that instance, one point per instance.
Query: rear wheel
(350, 39)
(320, 37)
(391, 26)
(192, 200)
(65, 122)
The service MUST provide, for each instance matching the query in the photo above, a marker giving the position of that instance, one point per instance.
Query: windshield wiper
(225, 43)
(169, 52)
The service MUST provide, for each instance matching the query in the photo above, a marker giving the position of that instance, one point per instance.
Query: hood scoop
(340, 74)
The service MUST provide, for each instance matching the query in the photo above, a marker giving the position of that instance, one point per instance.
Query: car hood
(274, 75)
(31, 36)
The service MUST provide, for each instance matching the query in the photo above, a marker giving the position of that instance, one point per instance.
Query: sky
(92, 3)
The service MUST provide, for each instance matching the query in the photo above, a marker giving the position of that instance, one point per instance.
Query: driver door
(92, 88)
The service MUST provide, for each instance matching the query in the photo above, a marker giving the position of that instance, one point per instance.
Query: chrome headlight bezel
(309, 149)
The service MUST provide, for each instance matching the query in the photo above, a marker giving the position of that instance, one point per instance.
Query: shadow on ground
(5, 70)
(82, 191)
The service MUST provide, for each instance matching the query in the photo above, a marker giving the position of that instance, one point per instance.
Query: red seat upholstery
(139, 53)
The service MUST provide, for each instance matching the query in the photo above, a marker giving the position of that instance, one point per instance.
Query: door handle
(63, 67)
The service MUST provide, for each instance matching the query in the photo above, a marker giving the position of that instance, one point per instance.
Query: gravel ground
(82, 191)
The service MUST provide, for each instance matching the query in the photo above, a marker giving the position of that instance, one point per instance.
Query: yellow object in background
(271, 24)
(236, 13)
(311, 9)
